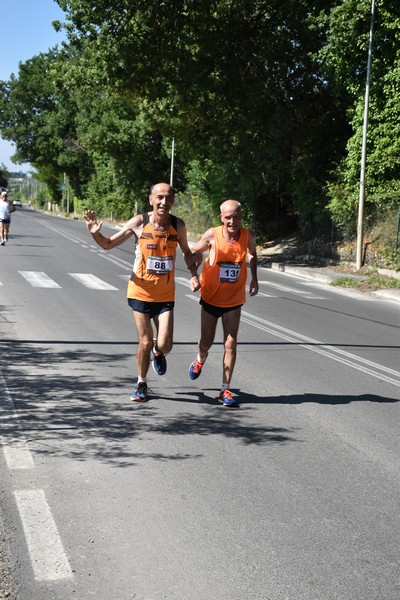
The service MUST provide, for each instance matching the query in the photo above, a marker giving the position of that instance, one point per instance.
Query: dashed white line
(49, 561)
(15, 448)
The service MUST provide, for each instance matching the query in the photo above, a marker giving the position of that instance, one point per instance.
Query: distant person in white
(6, 208)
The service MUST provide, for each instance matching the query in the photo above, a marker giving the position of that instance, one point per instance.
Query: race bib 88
(159, 265)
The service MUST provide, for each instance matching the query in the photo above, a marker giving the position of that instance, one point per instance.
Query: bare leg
(208, 328)
(165, 326)
(145, 342)
(230, 324)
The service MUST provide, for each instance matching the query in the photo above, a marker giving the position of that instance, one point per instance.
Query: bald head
(231, 216)
(161, 186)
(230, 205)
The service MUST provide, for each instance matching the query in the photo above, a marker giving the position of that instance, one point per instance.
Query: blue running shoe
(226, 398)
(159, 363)
(195, 369)
(139, 394)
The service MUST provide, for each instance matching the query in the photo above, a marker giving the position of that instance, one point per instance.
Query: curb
(318, 275)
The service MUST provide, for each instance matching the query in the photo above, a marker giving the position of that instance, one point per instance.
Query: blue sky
(26, 31)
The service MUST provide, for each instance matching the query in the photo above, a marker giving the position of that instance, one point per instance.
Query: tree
(4, 176)
(348, 22)
(40, 120)
(239, 84)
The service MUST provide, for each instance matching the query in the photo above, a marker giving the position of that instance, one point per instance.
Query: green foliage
(4, 175)
(348, 62)
(347, 282)
(263, 98)
(369, 283)
(237, 84)
(41, 122)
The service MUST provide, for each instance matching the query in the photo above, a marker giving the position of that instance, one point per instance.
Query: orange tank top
(224, 282)
(152, 278)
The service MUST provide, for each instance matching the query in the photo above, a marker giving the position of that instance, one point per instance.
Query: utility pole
(171, 179)
(359, 255)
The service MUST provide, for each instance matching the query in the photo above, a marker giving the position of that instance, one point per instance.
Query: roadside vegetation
(263, 99)
(368, 283)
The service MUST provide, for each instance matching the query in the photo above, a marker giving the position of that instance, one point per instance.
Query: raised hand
(92, 224)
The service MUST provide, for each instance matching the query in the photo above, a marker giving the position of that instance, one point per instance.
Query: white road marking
(17, 454)
(39, 279)
(337, 354)
(60, 232)
(183, 281)
(286, 288)
(115, 260)
(92, 248)
(341, 291)
(49, 561)
(15, 448)
(92, 282)
(266, 295)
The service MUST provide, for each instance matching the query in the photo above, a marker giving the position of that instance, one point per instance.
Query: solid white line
(183, 281)
(284, 288)
(375, 370)
(39, 279)
(49, 561)
(62, 233)
(115, 260)
(92, 282)
(318, 347)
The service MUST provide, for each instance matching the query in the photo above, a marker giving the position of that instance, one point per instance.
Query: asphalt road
(293, 496)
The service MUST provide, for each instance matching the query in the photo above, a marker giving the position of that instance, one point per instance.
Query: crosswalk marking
(39, 279)
(92, 282)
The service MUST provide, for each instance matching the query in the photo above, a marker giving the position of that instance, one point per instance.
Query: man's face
(231, 217)
(162, 198)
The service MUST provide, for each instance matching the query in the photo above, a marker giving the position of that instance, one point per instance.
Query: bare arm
(192, 259)
(203, 245)
(252, 258)
(205, 241)
(133, 226)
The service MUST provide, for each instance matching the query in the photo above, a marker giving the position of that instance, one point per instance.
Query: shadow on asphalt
(63, 408)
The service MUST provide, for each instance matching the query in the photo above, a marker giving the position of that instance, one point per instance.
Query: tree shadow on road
(53, 397)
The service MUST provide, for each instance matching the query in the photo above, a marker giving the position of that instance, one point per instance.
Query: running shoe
(139, 394)
(2, 243)
(195, 369)
(226, 398)
(159, 363)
